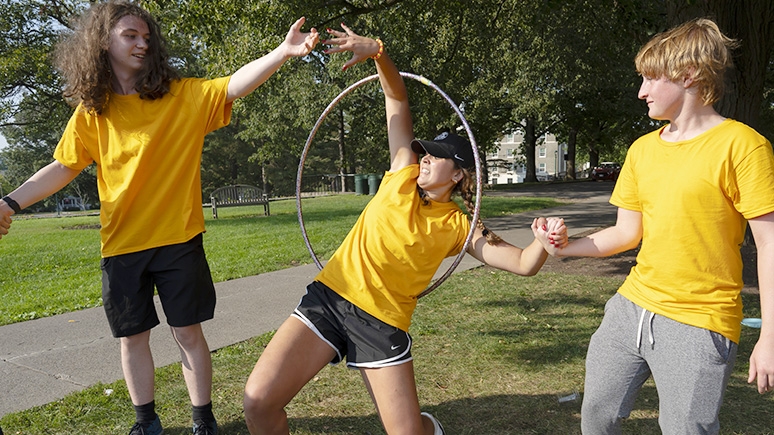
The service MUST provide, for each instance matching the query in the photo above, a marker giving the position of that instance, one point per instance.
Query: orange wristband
(381, 49)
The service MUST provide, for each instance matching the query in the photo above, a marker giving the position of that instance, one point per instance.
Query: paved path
(43, 360)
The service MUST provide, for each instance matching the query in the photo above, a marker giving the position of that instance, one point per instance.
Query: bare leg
(196, 361)
(293, 356)
(394, 393)
(137, 364)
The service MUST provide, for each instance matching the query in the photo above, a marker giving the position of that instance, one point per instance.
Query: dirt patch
(83, 227)
(619, 265)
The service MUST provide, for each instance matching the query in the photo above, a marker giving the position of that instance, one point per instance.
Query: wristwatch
(13, 204)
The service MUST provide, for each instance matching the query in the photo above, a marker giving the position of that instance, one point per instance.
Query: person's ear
(689, 79)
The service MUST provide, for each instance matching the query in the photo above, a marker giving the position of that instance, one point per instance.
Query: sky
(3, 142)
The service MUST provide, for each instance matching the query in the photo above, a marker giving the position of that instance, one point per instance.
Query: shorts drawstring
(651, 340)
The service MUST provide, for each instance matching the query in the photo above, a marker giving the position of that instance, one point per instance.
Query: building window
(542, 167)
(542, 152)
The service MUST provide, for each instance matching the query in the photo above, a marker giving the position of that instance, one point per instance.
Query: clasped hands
(551, 233)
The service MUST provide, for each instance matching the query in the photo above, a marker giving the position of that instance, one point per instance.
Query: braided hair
(465, 188)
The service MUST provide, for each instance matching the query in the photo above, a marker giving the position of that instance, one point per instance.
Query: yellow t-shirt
(391, 254)
(695, 197)
(148, 157)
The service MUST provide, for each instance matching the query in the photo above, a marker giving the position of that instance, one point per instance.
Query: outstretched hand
(551, 233)
(362, 48)
(298, 43)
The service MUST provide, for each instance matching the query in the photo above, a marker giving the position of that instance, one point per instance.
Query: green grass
(51, 266)
(493, 352)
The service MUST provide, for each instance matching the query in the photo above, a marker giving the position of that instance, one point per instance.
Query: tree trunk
(572, 141)
(530, 140)
(264, 180)
(342, 155)
(593, 151)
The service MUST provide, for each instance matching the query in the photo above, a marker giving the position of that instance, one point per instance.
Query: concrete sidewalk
(43, 360)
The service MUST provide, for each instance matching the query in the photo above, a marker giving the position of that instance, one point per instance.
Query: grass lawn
(493, 351)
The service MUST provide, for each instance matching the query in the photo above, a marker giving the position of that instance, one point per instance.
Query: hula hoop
(477, 159)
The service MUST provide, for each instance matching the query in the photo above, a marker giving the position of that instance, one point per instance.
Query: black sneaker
(202, 427)
(152, 428)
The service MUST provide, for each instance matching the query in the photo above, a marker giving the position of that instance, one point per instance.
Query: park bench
(238, 195)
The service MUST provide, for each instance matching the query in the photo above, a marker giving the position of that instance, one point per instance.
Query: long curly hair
(82, 57)
(466, 188)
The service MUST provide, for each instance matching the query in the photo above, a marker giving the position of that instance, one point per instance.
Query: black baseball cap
(448, 146)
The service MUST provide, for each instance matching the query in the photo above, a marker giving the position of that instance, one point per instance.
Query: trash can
(361, 184)
(373, 183)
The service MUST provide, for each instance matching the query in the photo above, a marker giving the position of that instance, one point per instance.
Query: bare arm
(527, 261)
(624, 235)
(44, 183)
(762, 358)
(400, 127)
(252, 75)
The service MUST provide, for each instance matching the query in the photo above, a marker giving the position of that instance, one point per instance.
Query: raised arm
(252, 75)
(762, 358)
(400, 127)
(44, 183)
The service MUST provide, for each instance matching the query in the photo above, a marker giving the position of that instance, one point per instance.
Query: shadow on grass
(528, 414)
(545, 337)
(498, 414)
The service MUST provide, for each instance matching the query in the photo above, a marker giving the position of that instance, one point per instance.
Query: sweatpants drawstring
(651, 340)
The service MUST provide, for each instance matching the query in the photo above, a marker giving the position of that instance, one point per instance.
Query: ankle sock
(145, 413)
(203, 412)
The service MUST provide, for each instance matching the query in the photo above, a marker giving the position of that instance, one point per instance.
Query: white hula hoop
(477, 159)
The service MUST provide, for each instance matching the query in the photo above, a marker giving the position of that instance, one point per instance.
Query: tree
(33, 113)
(508, 64)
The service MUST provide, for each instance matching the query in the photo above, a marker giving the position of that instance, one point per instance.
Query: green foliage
(33, 113)
(509, 64)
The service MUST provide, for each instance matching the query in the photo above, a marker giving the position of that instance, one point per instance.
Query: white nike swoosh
(458, 158)
(394, 347)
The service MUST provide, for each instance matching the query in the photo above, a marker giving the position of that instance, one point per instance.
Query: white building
(507, 164)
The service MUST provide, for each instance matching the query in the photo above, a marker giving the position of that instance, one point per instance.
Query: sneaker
(202, 427)
(152, 428)
(436, 424)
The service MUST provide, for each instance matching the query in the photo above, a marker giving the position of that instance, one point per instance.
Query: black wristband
(13, 204)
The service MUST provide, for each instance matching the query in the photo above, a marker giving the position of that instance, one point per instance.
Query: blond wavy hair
(696, 49)
(82, 57)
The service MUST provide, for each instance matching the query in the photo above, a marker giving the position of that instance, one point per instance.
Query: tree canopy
(533, 66)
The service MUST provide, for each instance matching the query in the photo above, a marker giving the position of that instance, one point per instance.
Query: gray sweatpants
(690, 366)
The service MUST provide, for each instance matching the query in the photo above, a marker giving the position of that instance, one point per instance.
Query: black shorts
(366, 341)
(179, 272)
